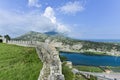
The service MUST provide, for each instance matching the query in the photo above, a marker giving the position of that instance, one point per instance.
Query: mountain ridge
(37, 36)
(72, 44)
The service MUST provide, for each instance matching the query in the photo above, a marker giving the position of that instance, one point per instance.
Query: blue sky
(82, 19)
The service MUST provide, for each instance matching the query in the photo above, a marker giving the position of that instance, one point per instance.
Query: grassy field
(18, 63)
(67, 72)
(88, 68)
(114, 69)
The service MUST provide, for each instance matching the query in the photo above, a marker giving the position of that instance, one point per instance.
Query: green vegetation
(70, 76)
(63, 58)
(83, 77)
(90, 44)
(99, 45)
(36, 36)
(67, 72)
(95, 53)
(79, 77)
(88, 68)
(7, 37)
(114, 69)
(0, 35)
(85, 52)
(92, 77)
(18, 63)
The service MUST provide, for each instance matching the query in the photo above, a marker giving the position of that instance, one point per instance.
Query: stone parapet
(51, 61)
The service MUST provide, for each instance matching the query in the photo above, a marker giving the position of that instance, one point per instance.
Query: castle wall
(24, 43)
(52, 69)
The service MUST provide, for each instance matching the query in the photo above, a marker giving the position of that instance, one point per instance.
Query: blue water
(91, 60)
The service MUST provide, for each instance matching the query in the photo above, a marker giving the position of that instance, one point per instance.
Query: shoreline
(89, 53)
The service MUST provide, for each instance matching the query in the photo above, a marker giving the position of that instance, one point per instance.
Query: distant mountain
(37, 36)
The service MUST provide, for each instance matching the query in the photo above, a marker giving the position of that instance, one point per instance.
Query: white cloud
(72, 7)
(49, 13)
(34, 3)
(62, 28)
(16, 24)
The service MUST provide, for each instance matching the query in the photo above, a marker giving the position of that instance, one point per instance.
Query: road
(103, 76)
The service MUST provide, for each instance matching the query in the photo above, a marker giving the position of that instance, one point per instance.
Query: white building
(3, 40)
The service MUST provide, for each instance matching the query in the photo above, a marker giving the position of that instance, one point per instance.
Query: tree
(7, 37)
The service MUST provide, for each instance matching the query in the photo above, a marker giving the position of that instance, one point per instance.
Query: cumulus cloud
(16, 24)
(50, 14)
(72, 7)
(33, 3)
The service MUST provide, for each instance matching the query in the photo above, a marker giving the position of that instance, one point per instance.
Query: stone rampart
(24, 43)
(52, 69)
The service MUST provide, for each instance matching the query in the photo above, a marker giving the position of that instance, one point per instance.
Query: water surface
(92, 60)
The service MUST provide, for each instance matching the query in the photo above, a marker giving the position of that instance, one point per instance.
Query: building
(3, 40)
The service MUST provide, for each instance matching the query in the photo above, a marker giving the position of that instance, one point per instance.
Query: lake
(91, 60)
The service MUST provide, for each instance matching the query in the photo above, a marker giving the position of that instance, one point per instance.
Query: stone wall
(52, 69)
(24, 43)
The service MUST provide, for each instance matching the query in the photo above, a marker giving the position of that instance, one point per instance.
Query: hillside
(71, 44)
(36, 36)
(32, 36)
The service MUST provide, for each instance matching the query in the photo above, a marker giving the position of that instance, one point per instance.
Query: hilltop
(37, 36)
